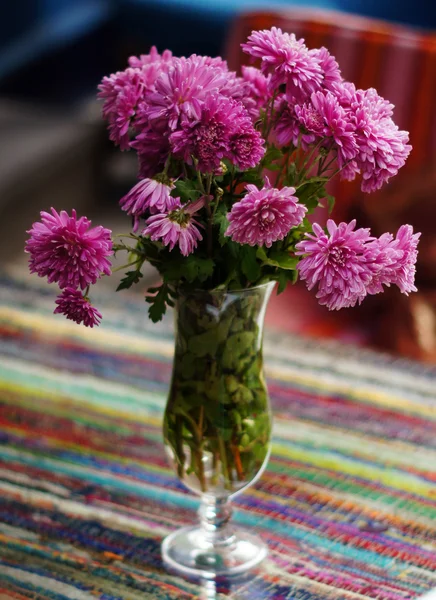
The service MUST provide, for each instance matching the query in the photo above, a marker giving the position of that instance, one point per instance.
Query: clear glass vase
(217, 425)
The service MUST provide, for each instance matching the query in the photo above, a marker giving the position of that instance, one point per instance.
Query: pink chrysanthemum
(287, 59)
(65, 250)
(325, 117)
(393, 261)
(207, 140)
(329, 67)
(149, 194)
(224, 130)
(76, 308)
(125, 109)
(125, 94)
(264, 216)
(382, 148)
(153, 149)
(404, 268)
(111, 86)
(380, 256)
(256, 90)
(152, 57)
(121, 93)
(177, 226)
(246, 144)
(180, 92)
(387, 159)
(287, 129)
(335, 263)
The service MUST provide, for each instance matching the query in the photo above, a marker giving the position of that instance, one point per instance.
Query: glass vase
(217, 425)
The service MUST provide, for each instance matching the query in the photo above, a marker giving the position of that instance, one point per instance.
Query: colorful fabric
(347, 504)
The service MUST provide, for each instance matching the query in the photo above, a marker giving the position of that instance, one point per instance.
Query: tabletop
(347, 504)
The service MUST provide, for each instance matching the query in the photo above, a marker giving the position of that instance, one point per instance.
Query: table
(347, 504)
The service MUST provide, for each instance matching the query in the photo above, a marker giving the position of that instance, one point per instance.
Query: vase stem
(215, 515)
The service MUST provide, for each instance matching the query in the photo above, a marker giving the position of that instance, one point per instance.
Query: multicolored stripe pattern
(347, 504)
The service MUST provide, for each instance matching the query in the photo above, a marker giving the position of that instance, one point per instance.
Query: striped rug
(347, 504)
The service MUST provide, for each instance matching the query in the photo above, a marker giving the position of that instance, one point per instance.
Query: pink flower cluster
(161, 105)
(319, 107)
(348, 264)
(192, 109)
(66, 251)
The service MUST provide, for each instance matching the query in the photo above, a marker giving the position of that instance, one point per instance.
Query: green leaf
(191, 268)
(253, 177)
(309, 192)
(276, 258)
(285, 277)
(249, 265)
(221, 220)
(291, 175)
(186, 190)
(330, 202)
(312, 181)
(271, 155)
(158, 302)
(283, 260)
(261, 254)
(130, 278)
(203, 344)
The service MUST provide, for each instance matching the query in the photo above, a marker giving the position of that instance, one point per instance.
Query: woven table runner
(347, 503)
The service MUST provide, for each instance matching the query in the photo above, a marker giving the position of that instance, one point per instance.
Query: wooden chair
(400, 62)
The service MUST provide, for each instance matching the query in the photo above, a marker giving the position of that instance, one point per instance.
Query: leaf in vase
(203, 344)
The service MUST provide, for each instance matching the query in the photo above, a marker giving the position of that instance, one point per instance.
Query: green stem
(127, 265)
(128, 235)
(309, 157)
(179, 447)
(223, 457)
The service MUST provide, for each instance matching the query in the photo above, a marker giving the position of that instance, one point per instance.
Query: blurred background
(54, 149)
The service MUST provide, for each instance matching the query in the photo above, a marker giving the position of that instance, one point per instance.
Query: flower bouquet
(230, 169)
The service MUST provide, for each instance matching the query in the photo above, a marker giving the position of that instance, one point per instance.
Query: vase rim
(227, 291)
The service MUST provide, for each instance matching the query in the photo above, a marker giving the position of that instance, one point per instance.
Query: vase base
(189, 552)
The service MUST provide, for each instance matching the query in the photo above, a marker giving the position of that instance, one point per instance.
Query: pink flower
(152, 57)
(121, 119)
(387, 158)
(76, 308)
(336, 263)
(153, 149)
(380, 256)
(111, 86)
(246, 144)
(287, 129)
(223, 130)
(406, 243)
(208, 139)
(329, 67)
(396, 259)
(287, 59)
(180, 92)
(177, 226)
(125, 94)
(256, 90)
(153, 195)
(264, 216)
(382, 148)
(65, 250)
(325, 117)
